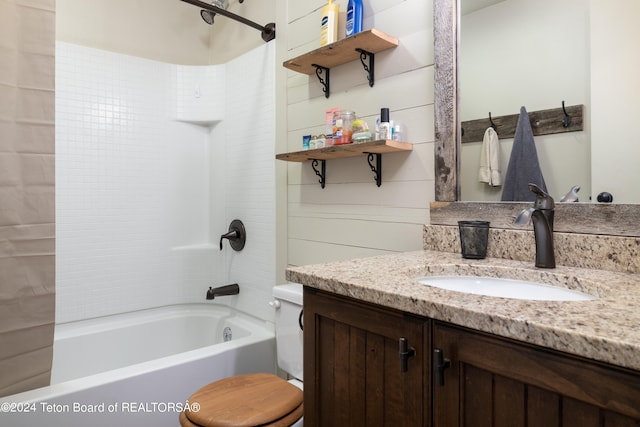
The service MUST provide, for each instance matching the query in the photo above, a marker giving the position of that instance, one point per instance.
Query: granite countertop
(606, 329)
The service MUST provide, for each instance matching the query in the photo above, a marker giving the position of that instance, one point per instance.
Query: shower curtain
(27, 183)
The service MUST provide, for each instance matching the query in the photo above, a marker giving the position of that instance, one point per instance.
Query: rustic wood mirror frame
(588, 218)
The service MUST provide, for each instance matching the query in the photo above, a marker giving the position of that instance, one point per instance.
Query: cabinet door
(353, 372)
(498, 382)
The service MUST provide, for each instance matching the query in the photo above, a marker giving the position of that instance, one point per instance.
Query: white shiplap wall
(352, 217)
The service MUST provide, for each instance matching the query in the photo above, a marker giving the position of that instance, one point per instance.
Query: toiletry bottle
(385, 125)
(337, 132)
(396, 133)
(354, 17)
(329, 24)
(346, 118)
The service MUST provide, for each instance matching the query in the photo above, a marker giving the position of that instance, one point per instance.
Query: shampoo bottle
(354, 17)
(329, 24)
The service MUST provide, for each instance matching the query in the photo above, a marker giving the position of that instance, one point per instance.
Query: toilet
(261, 399)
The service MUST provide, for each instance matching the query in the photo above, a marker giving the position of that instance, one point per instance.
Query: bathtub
(139, 368)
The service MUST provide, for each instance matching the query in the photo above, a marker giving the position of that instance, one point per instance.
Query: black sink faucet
(542, 215)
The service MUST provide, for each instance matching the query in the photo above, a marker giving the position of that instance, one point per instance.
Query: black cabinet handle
(405, 353)
(439, 365)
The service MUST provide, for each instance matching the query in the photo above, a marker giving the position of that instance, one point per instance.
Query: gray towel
(524, 167)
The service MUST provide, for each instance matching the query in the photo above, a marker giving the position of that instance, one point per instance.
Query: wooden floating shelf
(543, 122)
(342, 51)
(347, 150)
(373, 150)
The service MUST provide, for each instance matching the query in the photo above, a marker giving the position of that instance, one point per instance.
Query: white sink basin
(505, 288)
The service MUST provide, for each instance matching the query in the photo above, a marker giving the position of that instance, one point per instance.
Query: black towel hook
(493, 125)
(566, 121)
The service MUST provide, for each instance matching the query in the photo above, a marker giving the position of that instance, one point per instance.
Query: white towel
(490, 159)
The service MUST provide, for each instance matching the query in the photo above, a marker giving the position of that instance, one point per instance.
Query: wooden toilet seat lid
(287, 421)
(245, 401)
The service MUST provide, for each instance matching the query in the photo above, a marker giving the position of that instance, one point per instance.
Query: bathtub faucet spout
(232, 289)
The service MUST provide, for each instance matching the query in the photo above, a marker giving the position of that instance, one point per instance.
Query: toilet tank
(288, 305)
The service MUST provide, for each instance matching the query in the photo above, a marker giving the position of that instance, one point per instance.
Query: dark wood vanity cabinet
(355, 375)
(496, 382)
(363, 365)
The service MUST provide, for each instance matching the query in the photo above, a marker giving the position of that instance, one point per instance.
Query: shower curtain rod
(268, 31)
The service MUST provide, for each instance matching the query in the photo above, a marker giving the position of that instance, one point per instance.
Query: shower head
(219, 7)
(207, 15)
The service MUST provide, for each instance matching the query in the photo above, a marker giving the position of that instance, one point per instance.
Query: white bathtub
(138, 369)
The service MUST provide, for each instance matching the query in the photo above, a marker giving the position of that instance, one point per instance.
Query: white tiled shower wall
(153, 161)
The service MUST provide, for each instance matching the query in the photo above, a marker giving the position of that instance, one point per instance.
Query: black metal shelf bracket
(326, 88)
(322, 173)
(368, 68)
(377, 168)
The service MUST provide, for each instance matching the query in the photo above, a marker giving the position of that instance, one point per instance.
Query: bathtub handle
(230, 235)
(237, 235)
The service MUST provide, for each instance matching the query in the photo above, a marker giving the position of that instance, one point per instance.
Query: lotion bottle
(329, 24)
(385, 125)
(354, 17)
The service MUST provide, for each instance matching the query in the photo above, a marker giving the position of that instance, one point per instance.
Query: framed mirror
(589, 218)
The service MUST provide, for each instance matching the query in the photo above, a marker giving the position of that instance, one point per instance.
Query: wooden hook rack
(543, 122)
